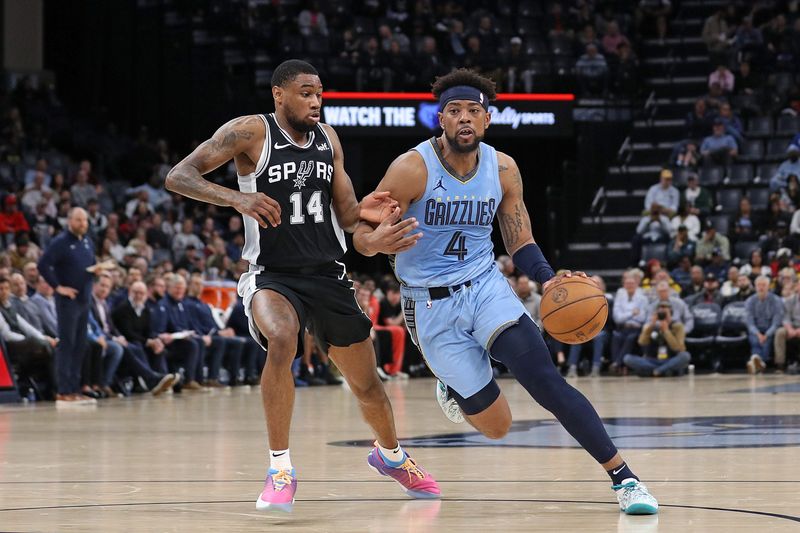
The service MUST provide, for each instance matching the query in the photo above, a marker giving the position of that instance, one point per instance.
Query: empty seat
(706, 326)
(733, 325)
(740, 175)
(759, 198)
(787, 125)
(752, 150)
(743, 249)
(760, 126)
(711, 176)
(561, 45)
(654, 251)
(721, 223)
(776, 148)
(728, 200)
(766, 171)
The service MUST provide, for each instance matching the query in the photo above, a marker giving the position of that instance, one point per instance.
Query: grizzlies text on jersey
(299, 178)
(455, 215)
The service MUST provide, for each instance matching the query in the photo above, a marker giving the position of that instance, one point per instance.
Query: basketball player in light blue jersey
(458, 307)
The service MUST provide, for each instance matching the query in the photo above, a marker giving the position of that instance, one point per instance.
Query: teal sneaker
(634, 499)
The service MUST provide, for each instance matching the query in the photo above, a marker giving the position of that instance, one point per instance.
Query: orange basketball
(574, 310)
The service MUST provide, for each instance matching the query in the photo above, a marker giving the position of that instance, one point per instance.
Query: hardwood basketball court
(719, 452)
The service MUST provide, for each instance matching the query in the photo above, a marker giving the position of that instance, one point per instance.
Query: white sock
(394, 457)
(280, 460)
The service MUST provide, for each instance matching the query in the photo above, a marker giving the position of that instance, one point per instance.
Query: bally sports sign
(416, 114)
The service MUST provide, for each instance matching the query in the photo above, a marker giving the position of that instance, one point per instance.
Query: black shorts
(325, 303)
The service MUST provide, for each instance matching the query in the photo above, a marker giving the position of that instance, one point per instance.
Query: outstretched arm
(232, 139)
(405, 182)
(350, 211)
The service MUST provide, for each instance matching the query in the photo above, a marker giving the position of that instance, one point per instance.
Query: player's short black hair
(464, 76)
(289, 70)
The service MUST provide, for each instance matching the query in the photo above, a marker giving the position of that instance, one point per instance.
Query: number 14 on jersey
(313, 208)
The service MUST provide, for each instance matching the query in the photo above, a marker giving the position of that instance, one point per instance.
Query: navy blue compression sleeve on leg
(522, 349)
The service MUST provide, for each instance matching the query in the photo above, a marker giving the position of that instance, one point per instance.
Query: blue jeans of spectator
(254, 358)
(764, 350)
(644, 366)
(112, 356)
(622, 342)
(598, 344)
(73, 319)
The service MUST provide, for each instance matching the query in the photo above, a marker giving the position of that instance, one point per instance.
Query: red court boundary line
(539, 97)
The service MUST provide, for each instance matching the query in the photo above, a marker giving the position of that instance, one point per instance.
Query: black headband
(463, 92)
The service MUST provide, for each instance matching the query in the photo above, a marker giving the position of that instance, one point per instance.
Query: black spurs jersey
(299, 179)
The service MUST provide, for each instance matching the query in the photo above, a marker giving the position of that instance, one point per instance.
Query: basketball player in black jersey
(296, 199)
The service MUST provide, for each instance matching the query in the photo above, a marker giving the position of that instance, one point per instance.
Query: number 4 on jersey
(457, 246)
(314, 207)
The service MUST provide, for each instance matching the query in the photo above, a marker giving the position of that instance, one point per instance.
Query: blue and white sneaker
(448, 404)
(634, 499)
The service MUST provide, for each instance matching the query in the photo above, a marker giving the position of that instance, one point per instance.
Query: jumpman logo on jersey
(439, 185)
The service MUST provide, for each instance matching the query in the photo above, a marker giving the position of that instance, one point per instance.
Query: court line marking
(364, 500)
(261, 480)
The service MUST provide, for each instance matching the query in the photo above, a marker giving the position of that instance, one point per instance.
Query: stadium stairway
(675, 73)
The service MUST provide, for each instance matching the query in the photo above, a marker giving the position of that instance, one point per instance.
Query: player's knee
(281, 348)
(368, 391)
(498, 429)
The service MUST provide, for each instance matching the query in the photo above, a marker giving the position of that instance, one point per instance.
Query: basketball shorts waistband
(429, 294)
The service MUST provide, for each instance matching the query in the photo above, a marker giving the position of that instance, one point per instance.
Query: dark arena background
(659, 147)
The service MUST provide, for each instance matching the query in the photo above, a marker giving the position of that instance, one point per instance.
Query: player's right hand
(262, 208)
(393, 235)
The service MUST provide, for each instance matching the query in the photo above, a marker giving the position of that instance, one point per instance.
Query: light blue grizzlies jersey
(455, 216)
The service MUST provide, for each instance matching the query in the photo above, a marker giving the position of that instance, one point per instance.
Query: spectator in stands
(715, 98)
(747, 82)
(696, 282)
(530, 298)
(764, 317)
(663, 344)
(487, 32)
(716, 35)
(687, 220)
(253, 355)
(629, 314)
(664, 194)
(39, 168)
(652, 228)
(650, 15)
(613, 38)
(311, 21)
(778, 238)
(172, 324)
(710, 293)
(719, 148)
(748, 40)
(682, 273)
(718, 265)
(105, 332)
(745, 290)
(790, 196)
(655, 273)
(373, 73)
(428, 62)
(44, 301)
(686, 154)
(519, 78)
(756, 266)
(785, 282)
(183, 239)
(723, 76)
(788, 167)
(745, 225)
(698, 199)
(133, 317)
(34, 193)
(22, 304)
(787, 337)
(665, 292)
(82, 191)
(680, 246)
(43, 226)
(733, 124)
(29, 350)
(592, 71)
(625, 72)
(711, 241)
(699, 120)
(730, 287)
(218, 343)
(12, 221)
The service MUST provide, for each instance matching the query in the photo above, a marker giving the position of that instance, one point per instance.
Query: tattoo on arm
(515, 225)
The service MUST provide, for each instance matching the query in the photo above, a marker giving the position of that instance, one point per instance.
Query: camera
(661, 315)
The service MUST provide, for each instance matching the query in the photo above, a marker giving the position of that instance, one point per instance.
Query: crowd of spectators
(718, 226)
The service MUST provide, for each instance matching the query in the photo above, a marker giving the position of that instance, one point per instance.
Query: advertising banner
(415, 114)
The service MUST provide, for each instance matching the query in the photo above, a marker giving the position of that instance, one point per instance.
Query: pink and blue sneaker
(415, 481)
(278, 493)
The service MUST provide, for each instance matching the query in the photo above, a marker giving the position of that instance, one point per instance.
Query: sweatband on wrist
(531, 261)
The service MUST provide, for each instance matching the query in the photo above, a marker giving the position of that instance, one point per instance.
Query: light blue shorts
(454, 334)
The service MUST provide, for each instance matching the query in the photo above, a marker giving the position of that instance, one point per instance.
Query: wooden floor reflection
(722, 453)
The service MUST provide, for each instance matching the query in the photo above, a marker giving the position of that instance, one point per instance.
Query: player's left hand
(562, 275)
(376, 206)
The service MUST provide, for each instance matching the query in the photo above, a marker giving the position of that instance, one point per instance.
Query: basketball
(574, 310)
